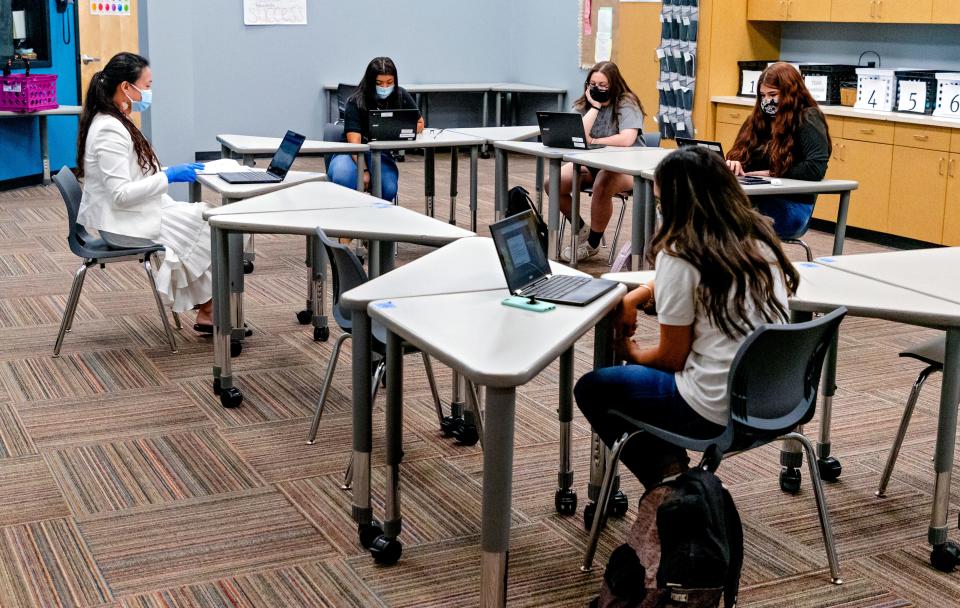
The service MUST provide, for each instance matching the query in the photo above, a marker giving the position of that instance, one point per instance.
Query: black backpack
(518, 201)
(685, 549)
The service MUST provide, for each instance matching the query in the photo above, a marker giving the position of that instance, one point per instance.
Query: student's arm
(351, 125)
(670, 354)
(814, 151)
(407, 102)
(625, 138)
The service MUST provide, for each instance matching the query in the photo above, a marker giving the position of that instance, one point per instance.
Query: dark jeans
(790, 217)
(648, 395)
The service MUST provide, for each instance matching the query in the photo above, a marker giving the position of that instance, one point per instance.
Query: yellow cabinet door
(905, 11)
(951, 212)
(855, 10)
(946, 11)
(808, 10)
(726, 134)
(767, 10)
(917, 189)
(869, 164)
(826, 206)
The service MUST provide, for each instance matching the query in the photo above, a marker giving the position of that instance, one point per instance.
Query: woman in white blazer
(125, 192)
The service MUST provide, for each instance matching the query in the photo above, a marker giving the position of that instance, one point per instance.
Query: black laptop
(393, 125)
(563, 130)
(527, 270)
(717, 147)
(281, 163)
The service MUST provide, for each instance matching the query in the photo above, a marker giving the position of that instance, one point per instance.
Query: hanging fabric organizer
(680, 23)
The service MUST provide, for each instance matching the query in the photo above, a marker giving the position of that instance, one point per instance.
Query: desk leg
(386, 549)
(235, 270)
(944, 554)
(497, 495)
(361, 166)
(603, 356)
(230, 396)
(642, 203)
(502, 175)
(841, 230)
(44, 148)
(376, 168)
(367, 529)
(649, 213)
(829, 466)
(565, 499)
(385, 252)
(474, 162)
(454, 167)
(574, 214)
(248, 160)
(553, 210)
(496, 110)
(483, 120)
(317, 305)
(225, 152)
(429, 179)
(331, 113)
(194, 194)
(538, 187)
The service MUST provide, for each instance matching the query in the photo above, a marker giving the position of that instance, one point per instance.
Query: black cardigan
(811, 153)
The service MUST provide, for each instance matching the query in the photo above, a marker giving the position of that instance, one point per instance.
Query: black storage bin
(927, 77)
(751, 66)
(835, 73)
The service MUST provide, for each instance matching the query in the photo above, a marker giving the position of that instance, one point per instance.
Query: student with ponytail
(125, 191)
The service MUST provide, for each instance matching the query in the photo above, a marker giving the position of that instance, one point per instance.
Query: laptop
(527, 270)
(717, 147)
(563, 130)
(279, 165)
(393, 125)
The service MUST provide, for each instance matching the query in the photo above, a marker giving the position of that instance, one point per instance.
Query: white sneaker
(582, 236)
(584, 251)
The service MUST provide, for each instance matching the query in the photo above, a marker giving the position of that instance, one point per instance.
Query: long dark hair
(122, 67)
(708, 221)
(366, 94)
(774, 136)
(619, 90)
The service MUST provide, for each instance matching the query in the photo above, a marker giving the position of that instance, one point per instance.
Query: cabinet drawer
(734, 115)
(868, 130)
(835, 126)
(917, 136)
(955, 141)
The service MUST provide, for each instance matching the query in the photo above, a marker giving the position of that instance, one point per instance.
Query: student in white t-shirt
(720, 272)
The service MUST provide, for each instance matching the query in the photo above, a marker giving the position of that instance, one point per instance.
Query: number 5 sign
(948, 96)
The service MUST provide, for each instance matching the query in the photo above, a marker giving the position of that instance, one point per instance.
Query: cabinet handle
(789, 8)
(941, 169)
(734, 114)
(879, 9)
(867, 131)
(950, 172)
(921, 137)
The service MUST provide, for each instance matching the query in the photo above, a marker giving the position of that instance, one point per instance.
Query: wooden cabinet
(726, 134)
(946, 11)
(789, 10)
(863, 129)
(918, 136)
(918, 185)
(854, 10)
(732, 114)
(767, 10)
(904, 11)
(951, 211)
(869, 164)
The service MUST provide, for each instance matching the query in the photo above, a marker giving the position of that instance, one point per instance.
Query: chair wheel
(466, 434)
(216, 386)
(236, 347)
(945, 557)
(386, 550)
(304, 317)
(231, 397)
(589, 512)
(565, 501)
(790, 480)
(247, 267)
(618, 505)
(321, 334)
(830, 468)
(450, 425)
(367, 533)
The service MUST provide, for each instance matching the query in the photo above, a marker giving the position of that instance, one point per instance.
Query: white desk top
(304, 196)
(430, 138)
(492, 134)
(236, 191)
(630, 161)
(631, 279)
(536, 148)
(382, 222)
(61, 111)
(932, 272)
(491, 344)
(467, 265)
(472, 87)
(251, 144)
(519, 87)
(787, 186)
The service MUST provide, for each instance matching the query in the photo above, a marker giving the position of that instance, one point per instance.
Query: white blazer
(118, 196)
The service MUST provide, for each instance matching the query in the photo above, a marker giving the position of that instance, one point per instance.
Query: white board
(274, 12)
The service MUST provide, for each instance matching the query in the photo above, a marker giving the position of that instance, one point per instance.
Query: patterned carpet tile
(14, 440)
(86, 336)
(52, 283)
(139, 302)
(43, 310)
(29, 492)
(10, 231)
(908, 571)
(48, 563)
(154, 548)
(148, 471)
(914, 466)
(195, 360)
(814, 590)
(20, 264)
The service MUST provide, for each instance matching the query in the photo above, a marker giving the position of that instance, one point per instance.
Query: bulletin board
(588, 28)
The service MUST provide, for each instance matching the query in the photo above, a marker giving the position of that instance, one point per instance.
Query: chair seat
(588, 189)
(99, 250)
(930, 352)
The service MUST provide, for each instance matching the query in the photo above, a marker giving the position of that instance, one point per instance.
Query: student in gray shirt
(613, 116)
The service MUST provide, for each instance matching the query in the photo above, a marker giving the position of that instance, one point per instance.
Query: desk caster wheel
(216, 386)
(565, 501)
(466, 434)
(790, 480)
(589, 512)
(945, 557)
(484, 155)
(231, 397)
(236, 347)
(618, 505)
(247, 267)
(367, 533)
(830, 468)
(304, 317)
(450, 425)
(386, 550)
(321, 334)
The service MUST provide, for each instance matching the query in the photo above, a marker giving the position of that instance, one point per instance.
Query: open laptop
(279, 166)
(393, 125)
(527, 270)
(563, 130)
(717, 147)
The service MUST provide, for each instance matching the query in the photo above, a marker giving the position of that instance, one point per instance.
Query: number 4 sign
(948, 96)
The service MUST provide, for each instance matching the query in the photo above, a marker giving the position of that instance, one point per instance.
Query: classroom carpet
(124, 483)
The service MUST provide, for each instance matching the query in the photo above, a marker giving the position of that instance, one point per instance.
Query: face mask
(384, 92)
(599, 95)
(769, 106)
(146, 98)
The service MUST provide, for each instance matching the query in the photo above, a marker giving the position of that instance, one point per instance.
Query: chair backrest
(72, 192)
(651, 139)
(332, 131)
(344, 91)
(347, 273)
(774, 377)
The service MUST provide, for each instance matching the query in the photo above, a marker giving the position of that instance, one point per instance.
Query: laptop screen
(286, 153)
(519, 250)
(709, 145)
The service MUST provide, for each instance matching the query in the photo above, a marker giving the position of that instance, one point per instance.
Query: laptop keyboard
(252, 176)
(557, 287)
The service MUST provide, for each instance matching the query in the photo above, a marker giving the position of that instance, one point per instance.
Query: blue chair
(95, 251)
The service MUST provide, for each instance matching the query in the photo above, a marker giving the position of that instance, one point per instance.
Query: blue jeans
(648, 395)
(790, 218)
(343, 171)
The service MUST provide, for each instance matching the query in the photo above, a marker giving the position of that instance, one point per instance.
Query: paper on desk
(219, 166)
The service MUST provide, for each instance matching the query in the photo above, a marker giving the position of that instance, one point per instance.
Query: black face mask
(599, 96)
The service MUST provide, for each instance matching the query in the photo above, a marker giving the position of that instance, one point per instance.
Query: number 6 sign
(948, 96)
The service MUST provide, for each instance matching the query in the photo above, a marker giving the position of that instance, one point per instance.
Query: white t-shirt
(703, 381)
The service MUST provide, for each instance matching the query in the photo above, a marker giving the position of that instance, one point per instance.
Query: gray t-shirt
(630, 118)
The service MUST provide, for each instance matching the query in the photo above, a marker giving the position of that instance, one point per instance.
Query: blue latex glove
(187, 172)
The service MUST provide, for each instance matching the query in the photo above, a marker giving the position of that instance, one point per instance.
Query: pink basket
(19, 93)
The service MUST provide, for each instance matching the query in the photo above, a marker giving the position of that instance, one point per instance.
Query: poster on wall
(274, 12)
(596, 31)
(110, 9)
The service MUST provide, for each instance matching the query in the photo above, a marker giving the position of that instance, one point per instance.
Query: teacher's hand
(185, 173)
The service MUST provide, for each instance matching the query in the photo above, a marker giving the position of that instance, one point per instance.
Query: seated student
(786, 135)
(379, 90)
(720, 272)
(612, 115)
(125, 192)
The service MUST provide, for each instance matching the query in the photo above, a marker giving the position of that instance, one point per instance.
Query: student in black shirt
(786, 135)
(379, 90)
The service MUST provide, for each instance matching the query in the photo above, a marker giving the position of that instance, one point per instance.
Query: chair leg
(473, 402)
(606, 489)
(70, 308)
(902, 431)
(156, 296)
(377, 377)
(822, 511)
(176, 320)
(563, 225)
(806, 248)
(327, 380)
(616, 235)
(73, 309)
(428, 366)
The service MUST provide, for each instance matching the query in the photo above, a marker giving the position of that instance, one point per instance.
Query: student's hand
(626, 350)
(420, 125)
(764, 173)
(735, 166)
(590, 100)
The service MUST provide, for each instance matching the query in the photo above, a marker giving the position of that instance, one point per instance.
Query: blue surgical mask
(146, 98)
(384, 92)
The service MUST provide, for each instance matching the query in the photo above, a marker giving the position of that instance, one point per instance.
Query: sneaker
(584, 251)
(582, 236)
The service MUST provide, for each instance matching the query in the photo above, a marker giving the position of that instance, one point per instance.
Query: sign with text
(274, 12)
